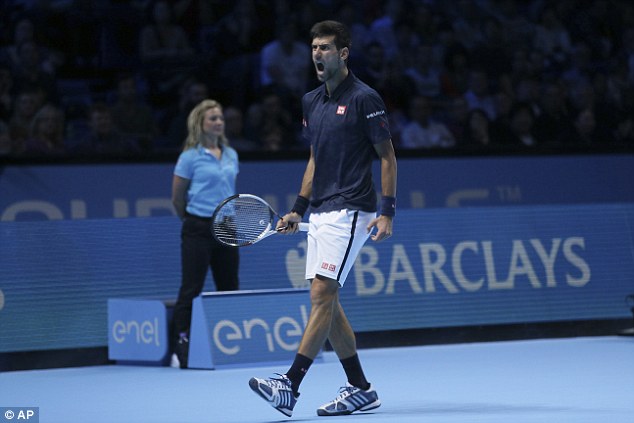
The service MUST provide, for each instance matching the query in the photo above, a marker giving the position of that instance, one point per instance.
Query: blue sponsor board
(235, 329)
(142, 190)
(443, 267)
(138, 330)
(493, 266)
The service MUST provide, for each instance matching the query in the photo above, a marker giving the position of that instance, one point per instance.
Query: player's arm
(291, 219)
(179, 195)
(383, 222)
(307, 181)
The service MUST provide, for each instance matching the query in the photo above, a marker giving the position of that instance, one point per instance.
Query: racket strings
(242, 221)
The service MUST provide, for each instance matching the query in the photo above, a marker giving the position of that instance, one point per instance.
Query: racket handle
(303, 226)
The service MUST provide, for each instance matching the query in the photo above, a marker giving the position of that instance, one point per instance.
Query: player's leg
(282, 392)
(324, 294)
(334, 241)
(343, 341)
(330, 240)
(357, 394)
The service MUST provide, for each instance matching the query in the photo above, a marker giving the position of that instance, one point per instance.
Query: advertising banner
(247, 327)
(443, 267)
(143, 190)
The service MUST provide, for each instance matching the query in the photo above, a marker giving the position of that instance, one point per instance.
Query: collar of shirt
(203, 150)
(341, 88)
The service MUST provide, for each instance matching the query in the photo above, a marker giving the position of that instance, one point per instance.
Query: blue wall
(141, 190)
(71, 237)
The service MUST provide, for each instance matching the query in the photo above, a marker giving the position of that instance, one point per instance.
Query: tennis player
(346, 124)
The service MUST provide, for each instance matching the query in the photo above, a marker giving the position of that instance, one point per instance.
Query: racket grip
(303, 226)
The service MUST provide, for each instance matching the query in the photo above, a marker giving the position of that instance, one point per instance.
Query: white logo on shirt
(375, 114)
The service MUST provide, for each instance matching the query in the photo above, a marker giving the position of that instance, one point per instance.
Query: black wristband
(301, 205)
(388, 206)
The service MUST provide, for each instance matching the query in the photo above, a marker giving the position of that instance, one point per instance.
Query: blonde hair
(195, 124)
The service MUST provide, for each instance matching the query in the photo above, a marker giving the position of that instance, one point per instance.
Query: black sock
(352, 367)
(298, 370)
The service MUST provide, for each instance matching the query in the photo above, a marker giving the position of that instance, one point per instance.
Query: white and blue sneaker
(349, 400)
(277, 392)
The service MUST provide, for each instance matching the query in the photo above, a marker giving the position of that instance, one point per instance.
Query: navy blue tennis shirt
(342, 130)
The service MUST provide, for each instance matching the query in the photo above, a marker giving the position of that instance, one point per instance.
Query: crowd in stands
(115, 78)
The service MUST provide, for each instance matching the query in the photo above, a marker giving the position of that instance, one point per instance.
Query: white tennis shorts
(334, 242)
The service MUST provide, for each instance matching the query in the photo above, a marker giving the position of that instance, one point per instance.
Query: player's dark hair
(328, 28)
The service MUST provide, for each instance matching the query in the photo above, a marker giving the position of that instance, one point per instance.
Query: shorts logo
(341, 110)
(328, 266)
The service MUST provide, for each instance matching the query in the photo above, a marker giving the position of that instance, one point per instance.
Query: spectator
(356, 19)
(504, 102)
(521, 128)
(425, 21)
(528, 90)
(478, 132)
(24, 32)
(520, 66)
(192, 92)
(240, 36)
(454, 78)
(623, 132)
(374, 71)
(584, 95)
(407, 41)
(628, 52)
(131, 115)
(455, 118)
(466, 23)
(29, 71)
(552, 38)
(6, 92)
(384, 28)
(271, 124)
(584, 131)
(234, 130)
(423, 131)
(6, 146)
(517, 27)
(46, 138)
(579, 68)
(478, 95)
(242, 30)
(620, 88)
(285, 62)
(492, 52)
(161, 40)
(165, 51)
(272, 137)
(555, 120)
(424, 75)
(27, 103)
(104, 139)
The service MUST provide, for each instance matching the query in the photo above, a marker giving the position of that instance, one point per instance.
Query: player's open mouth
(320, 66)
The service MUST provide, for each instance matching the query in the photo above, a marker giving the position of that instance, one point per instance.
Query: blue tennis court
(586, 379)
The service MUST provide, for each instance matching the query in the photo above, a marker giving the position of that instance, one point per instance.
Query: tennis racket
(244, 219)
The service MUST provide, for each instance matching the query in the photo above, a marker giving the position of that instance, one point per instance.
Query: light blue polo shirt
(212, 180)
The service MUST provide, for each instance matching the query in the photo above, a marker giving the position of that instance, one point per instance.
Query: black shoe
(182, 351)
